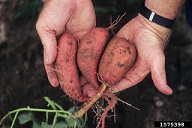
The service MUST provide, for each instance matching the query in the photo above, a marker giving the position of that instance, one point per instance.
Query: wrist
(160, 31)
(167, 9)
(154, 17)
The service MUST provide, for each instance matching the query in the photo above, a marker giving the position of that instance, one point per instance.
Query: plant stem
(91, 102)
(33, 110)
(14, 119)
(55, 119)
(47, 117)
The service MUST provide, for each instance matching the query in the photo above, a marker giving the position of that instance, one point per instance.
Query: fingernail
(53, 80)
(169, 91)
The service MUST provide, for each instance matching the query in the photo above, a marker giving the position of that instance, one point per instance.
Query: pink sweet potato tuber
(116, 60)
(66, 67)
(90, 49)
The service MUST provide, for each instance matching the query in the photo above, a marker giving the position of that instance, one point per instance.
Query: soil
(23, 80)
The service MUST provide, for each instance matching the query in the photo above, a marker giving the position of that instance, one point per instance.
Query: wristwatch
(154, 17)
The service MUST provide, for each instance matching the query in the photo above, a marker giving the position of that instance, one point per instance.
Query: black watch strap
(153, 17)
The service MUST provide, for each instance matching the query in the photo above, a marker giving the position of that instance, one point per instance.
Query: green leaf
(50, 103)
(25, 117)
(61, 125)
(5, 126)
(53, 104)
(71, 122)
(36, 124)
(57, 125)
(45, 125)
(72, 109)
(79, 123)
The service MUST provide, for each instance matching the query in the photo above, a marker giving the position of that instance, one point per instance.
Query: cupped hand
(149, 39)
(59, 16)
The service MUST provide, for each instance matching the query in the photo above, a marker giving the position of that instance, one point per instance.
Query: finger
(48, 39)
(158, 72)
(51, 74)
(137, 72)
(83, 20)
(87, 89)
(49, 57)
(126, 31)
(50, 24)
(135, 75)
(50, 52)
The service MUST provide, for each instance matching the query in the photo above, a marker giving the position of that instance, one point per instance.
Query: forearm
(166, 8)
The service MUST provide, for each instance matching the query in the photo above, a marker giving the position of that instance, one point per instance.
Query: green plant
(61, 118)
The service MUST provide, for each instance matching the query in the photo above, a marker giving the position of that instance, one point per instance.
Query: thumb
(50, 46)
(157, 65)
(50, 52)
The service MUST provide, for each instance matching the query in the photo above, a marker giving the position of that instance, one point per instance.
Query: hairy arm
(165, 8)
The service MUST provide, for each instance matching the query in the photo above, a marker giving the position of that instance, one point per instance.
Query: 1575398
(172, 124)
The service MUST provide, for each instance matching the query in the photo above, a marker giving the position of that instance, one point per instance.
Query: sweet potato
(90, 49)
(66, 67)
(116, 60)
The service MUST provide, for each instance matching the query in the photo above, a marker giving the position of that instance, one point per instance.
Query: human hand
(76, 17)
(149, 39)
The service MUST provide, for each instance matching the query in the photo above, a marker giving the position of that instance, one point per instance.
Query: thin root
(69, 58)
(91, 102)
(128, 104)
(111, 104)
(111, 100)
(114, 23)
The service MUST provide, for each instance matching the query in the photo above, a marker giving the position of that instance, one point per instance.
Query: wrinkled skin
(78, 17)
(149, 39)
(58, 17)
